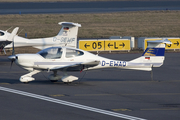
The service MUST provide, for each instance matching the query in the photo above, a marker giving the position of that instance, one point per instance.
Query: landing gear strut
(27, 77)
(54, 77)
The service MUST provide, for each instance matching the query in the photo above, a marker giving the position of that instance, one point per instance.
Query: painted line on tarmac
(93, 94)
(121, 109)
(70, 104)
(4, 83)
(148, 94)
(13, 72)
(161, 109)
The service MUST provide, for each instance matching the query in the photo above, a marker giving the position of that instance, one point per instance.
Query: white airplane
(71, 59)
(67, 36)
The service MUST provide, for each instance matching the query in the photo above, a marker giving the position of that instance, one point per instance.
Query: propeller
(13, 46)
(12, 58)
(11, 38)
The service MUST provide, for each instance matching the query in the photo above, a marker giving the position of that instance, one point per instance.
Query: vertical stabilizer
(68, 34)
(156, 48)
(153, 56)
(13, 34)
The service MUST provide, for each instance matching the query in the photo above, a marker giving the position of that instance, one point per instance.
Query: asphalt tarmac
(98, 95)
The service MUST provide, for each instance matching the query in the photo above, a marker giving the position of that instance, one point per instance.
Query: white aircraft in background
(67, 36)
(71, 59)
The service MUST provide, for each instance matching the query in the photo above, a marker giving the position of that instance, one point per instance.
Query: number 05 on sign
(91, 45)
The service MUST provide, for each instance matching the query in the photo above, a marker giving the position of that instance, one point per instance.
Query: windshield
(73, 53)
(51, 53)
(1, 33)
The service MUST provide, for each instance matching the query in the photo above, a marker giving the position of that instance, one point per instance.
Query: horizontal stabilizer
(143, 69)
(165, 40)
(69, 24)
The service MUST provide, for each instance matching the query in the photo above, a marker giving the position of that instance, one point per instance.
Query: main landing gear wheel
(54, 77)
(53, 81)
(25, 82)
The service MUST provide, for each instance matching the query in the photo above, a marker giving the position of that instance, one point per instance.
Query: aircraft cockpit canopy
(51, 53)
(73, 53)
(56, 53)
(1, 33)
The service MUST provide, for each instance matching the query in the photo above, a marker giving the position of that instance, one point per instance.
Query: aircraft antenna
(9, 28)
(20, 31)
(151, 72)
(13, 47)
(82, 76)
(98, 53)
(12, 53)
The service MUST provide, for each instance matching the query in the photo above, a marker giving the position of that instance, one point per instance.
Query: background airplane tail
(153, 56)
(68, 34)
(13, 34)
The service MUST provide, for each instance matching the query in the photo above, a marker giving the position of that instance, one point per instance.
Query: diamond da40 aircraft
(67, 36)
(71, 59)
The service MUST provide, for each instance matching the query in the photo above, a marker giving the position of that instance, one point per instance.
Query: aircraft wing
(77, 66)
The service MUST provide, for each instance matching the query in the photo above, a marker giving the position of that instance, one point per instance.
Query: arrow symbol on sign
(122, 44)
(169, 45)
(177, 43)
(86, 45)
(109, 45)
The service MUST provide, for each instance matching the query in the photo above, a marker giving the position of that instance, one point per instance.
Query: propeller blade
(11, 38)
(13, 47)
(11, 63)
(12, 58)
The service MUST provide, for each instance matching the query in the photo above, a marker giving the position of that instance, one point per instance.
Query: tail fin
(68, 34)
(153, 56)
(9, 39)
(13, 34)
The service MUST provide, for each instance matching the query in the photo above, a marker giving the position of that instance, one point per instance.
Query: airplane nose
(12, 57)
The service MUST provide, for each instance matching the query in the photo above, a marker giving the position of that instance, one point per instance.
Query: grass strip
(102, 25)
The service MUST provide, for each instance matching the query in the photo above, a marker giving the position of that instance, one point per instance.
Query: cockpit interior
(56, 53)
(1, 33)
